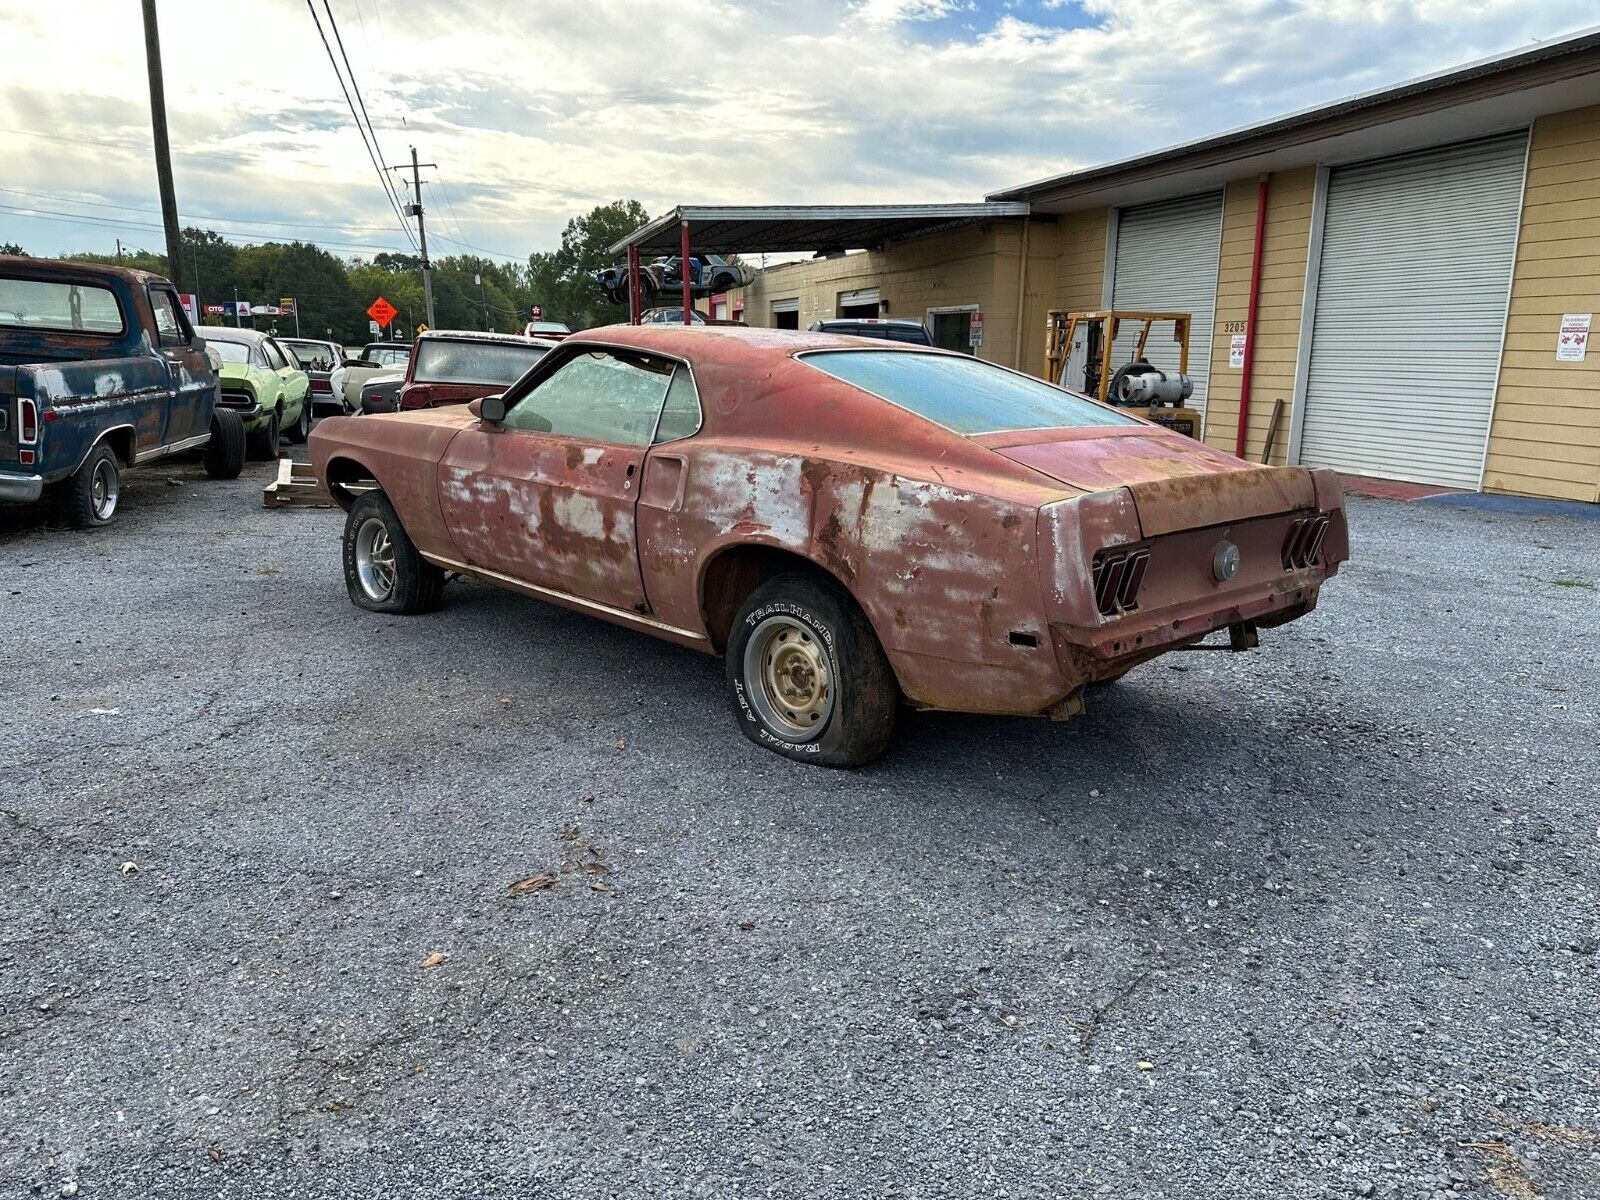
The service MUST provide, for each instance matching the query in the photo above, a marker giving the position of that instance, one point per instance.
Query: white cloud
(538, 111)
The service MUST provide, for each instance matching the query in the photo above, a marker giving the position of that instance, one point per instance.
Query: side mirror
(489, 408)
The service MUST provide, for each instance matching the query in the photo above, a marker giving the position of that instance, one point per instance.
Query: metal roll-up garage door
(1167, 261)
(1417, 254)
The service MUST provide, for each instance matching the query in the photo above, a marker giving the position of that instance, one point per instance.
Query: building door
(1167, 262)
(862, 304)
(1417, 254)
(786, 314)
(952, 328)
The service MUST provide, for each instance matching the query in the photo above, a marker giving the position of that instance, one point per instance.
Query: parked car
(375, 358)
(555, 330)
(381, 392)
(671, 316)
(318, 360)
(100, 370)
(454, 366)
(913, 333)
(707, 273)
(849, 526)
(260, 383)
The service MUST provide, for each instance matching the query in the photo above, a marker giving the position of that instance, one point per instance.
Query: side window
(171, 325)
(680, 418)
(598, 396)
(275, 358)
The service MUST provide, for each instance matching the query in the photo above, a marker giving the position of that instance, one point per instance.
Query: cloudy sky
(538, 109)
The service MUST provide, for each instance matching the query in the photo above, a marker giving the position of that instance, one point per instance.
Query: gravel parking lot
(1319, 920)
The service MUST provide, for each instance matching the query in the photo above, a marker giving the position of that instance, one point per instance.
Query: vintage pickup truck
(100, 370)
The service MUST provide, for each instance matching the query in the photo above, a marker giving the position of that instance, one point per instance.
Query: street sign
(190, 306)
(286, 306)
(536, 313)
(215, 310)
(374, 327)
(976, 337)
(382, 311)
(241, 308)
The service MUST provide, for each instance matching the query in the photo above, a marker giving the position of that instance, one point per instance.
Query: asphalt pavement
(296, 900)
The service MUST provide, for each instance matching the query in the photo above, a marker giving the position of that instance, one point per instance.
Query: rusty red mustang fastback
(852, 524)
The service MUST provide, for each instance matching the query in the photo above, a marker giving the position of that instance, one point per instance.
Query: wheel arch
(347, 477)
(732, 572)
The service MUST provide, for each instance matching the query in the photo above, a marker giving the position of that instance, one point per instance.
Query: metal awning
(796, 228)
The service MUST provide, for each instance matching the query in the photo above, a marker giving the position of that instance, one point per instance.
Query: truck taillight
(27, 422)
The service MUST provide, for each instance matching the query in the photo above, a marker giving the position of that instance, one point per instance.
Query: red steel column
(1250, 318)
(633, 285)
(683, 271)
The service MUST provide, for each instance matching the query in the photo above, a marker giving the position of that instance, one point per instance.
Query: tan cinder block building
(1429, 258)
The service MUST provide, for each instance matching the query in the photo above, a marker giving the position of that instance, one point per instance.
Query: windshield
(474, 362)
(388, 356)
(70, 307)
(548, 327)
(961, 393)
(234, 352)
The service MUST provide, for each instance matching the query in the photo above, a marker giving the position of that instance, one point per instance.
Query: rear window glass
(474, 362)
(46, 304)
(963, 394)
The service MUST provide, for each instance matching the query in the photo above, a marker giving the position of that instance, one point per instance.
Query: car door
(192, 382)
(547, 495)
(292, 381)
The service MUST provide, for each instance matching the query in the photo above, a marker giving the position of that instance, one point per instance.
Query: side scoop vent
(1118, 575)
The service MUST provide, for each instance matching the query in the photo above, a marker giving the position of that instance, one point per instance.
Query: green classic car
(260, 382)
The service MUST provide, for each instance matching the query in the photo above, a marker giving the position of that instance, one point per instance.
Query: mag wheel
(382, 570)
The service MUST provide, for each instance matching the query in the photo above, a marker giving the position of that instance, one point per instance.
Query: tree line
(332, 294)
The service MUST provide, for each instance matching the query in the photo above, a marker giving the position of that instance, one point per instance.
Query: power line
(356, 87)
(194, 215)
(86, 219)
(382, 179)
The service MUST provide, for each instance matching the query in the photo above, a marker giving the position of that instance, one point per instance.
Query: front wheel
(224, 453)
(808, 677)
(264, 441)
(89, 498)
(382, 570)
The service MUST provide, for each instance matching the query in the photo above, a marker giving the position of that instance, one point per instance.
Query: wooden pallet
(295, 487)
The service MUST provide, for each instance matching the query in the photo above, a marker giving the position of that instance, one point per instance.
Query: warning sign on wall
(1572, 343)
(1236, 351)
(975, 336)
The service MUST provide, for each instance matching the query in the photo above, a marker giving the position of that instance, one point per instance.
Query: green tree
(560, 280)
(12, 248)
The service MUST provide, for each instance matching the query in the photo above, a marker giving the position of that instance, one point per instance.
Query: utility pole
(415, 210)
(119, 250)
(158, 122)
(483, 297)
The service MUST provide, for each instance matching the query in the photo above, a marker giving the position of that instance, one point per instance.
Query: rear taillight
(321, 385)
(1302, 544)
(27, 422)
(1118, 575)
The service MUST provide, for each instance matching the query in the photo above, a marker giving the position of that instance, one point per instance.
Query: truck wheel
(807, 676)
(264, 441)
(224, 454)
(89, 498)
(301, 429)
(382, 570)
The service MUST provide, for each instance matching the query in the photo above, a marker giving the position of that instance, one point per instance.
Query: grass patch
(1574, 583)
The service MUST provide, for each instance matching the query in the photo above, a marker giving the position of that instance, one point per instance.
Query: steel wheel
(375, 559)
(793, 674)
(104, 488)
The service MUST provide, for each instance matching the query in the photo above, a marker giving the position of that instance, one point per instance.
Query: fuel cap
(1225, 562)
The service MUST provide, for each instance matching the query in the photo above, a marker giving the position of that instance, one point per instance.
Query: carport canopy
(797, 228)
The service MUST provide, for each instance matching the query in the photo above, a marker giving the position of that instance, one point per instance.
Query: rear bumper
(20, 489)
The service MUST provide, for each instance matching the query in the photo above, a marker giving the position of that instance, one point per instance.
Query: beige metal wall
(1283, 283)
(1545, 438)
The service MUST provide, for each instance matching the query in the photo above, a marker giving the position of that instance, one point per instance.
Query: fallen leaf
(533, 883)
(588, 799)
(1146, 1065)
(433, 960)
(596, 868)
(622, 743)
(214, 1154)
(747, 926)
(597, 886)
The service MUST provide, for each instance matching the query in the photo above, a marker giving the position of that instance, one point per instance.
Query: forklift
(1079, 352)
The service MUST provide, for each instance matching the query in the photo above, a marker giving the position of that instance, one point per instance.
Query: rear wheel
(382, 570)
(301, 429)
(89, 498)
(807, 676)
(224, 454)
(264, 441)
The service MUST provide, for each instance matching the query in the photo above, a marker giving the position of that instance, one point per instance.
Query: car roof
(84, 270)
(472, 335)
(898, 322)
(232, 333)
